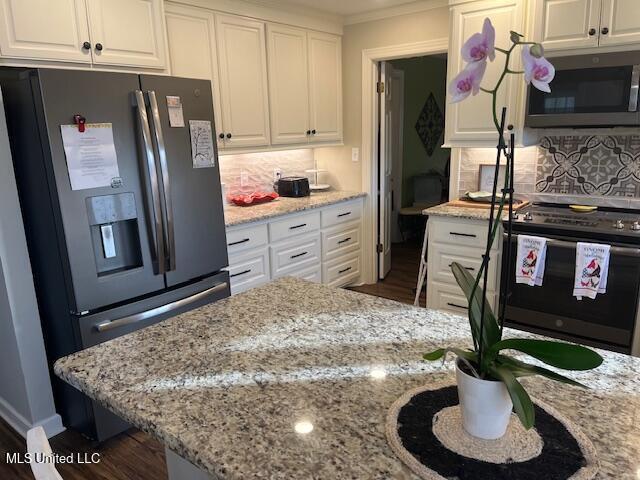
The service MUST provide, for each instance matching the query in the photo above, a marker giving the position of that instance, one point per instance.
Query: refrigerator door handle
(166, 181)
(153, 180)
(138, 317)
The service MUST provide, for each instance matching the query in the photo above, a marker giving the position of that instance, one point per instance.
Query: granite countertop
(234, 215)
(224, 385)
(448, 210)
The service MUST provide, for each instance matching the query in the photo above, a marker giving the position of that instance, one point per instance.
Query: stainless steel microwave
(599, 90)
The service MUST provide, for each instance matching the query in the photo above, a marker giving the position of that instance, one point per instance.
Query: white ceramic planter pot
(485, 404)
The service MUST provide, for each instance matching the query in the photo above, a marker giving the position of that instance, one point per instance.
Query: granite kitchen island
(293, 380)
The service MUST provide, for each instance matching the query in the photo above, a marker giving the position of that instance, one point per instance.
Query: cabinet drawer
(249, 270)
(442, 256)
(441, 296)
(341, 213)
(244, 238)
(294, 255)
(311, 274)
(285, 228)
(341, 271)
(460, 232)
(340, 240)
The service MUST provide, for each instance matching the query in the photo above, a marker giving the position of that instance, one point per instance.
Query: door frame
(369, 153)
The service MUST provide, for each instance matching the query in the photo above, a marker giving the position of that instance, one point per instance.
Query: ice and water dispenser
(114, 232)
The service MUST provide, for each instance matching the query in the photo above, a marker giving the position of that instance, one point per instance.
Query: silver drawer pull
(457, 306)
(471, 235)
(244, 240)
(471, 269)
(345, 240)
(298, 226)
(240, 273)
(154, 312)
(344, 214)
(344, 270)
(299, 255)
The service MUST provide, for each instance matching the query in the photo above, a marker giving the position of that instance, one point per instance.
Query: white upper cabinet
(44, 30)
(192, 50)
(243, 81)
(470, 122)
(127, 32)
(563, 24)
(103, 32)
(570, 24)
(621, 21)
(288, 84)
(325, 87)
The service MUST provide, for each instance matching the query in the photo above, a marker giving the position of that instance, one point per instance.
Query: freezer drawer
(103, 326)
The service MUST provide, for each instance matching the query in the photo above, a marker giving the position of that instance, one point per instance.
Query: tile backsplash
(589, 165)
(260, 167)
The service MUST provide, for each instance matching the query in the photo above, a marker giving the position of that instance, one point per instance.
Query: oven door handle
(635, 86)
(552, 242)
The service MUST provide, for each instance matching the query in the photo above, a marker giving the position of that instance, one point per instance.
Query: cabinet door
(288, 84)
(621, 20)
(192, 50)
(243, 81)
(470, 122)
(325, 87)
(44, 30)
(127, 32)
(563, 24)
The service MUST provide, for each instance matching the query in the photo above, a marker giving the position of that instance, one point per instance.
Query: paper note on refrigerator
(202, 151)
(91, 156)
(176, 115)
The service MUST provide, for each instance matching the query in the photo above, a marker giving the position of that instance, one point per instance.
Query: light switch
(355, 154)
(108, 244)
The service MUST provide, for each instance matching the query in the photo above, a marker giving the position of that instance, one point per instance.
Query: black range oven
(608, 321)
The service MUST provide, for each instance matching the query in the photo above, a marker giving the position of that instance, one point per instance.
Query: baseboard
(52, 425)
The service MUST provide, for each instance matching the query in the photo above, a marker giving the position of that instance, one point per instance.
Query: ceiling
(348, 7)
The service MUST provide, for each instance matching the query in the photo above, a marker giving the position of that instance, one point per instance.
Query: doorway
(413, 167)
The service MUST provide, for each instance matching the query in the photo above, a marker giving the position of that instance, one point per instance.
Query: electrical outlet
(244, 178)
(277, 173)
(355, 154)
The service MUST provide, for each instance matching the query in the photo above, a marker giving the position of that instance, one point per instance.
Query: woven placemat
(566, 453)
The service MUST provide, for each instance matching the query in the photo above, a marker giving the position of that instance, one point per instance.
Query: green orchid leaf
(522, 369)
(522, 404)
(557, 354)
(441, 352)
(491, 329)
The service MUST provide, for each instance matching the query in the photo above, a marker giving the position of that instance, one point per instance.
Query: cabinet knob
(99, 47)
(604, 30)
(592, 31)
(313, 132)
(308, 132)
(221, 136)
(86, 45)
(228, 135)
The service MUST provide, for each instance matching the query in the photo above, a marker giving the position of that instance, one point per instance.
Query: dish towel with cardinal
(530, 260)
(592, 270)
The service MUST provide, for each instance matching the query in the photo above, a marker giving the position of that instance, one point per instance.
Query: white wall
(415, 27)
(26, 399)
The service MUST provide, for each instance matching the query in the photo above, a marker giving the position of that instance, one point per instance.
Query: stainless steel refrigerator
(112, 259)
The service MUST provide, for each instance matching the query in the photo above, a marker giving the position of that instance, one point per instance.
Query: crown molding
(278, 11)
(395, 11)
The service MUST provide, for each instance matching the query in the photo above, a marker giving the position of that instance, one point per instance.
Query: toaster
(292, 187)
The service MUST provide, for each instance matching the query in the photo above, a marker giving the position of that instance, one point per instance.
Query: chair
(39, 449)
(427, 192)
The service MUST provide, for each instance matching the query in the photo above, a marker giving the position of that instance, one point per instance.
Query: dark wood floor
(130, 456)
(134, 454)
(400, 282)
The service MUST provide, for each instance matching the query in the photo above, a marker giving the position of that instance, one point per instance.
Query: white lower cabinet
(322, 245)
(462, 241)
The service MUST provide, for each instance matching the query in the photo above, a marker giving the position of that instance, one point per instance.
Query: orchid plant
(486, 360)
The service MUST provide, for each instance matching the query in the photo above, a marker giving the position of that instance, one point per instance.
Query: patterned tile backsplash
(260, 167)
(589, 165)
